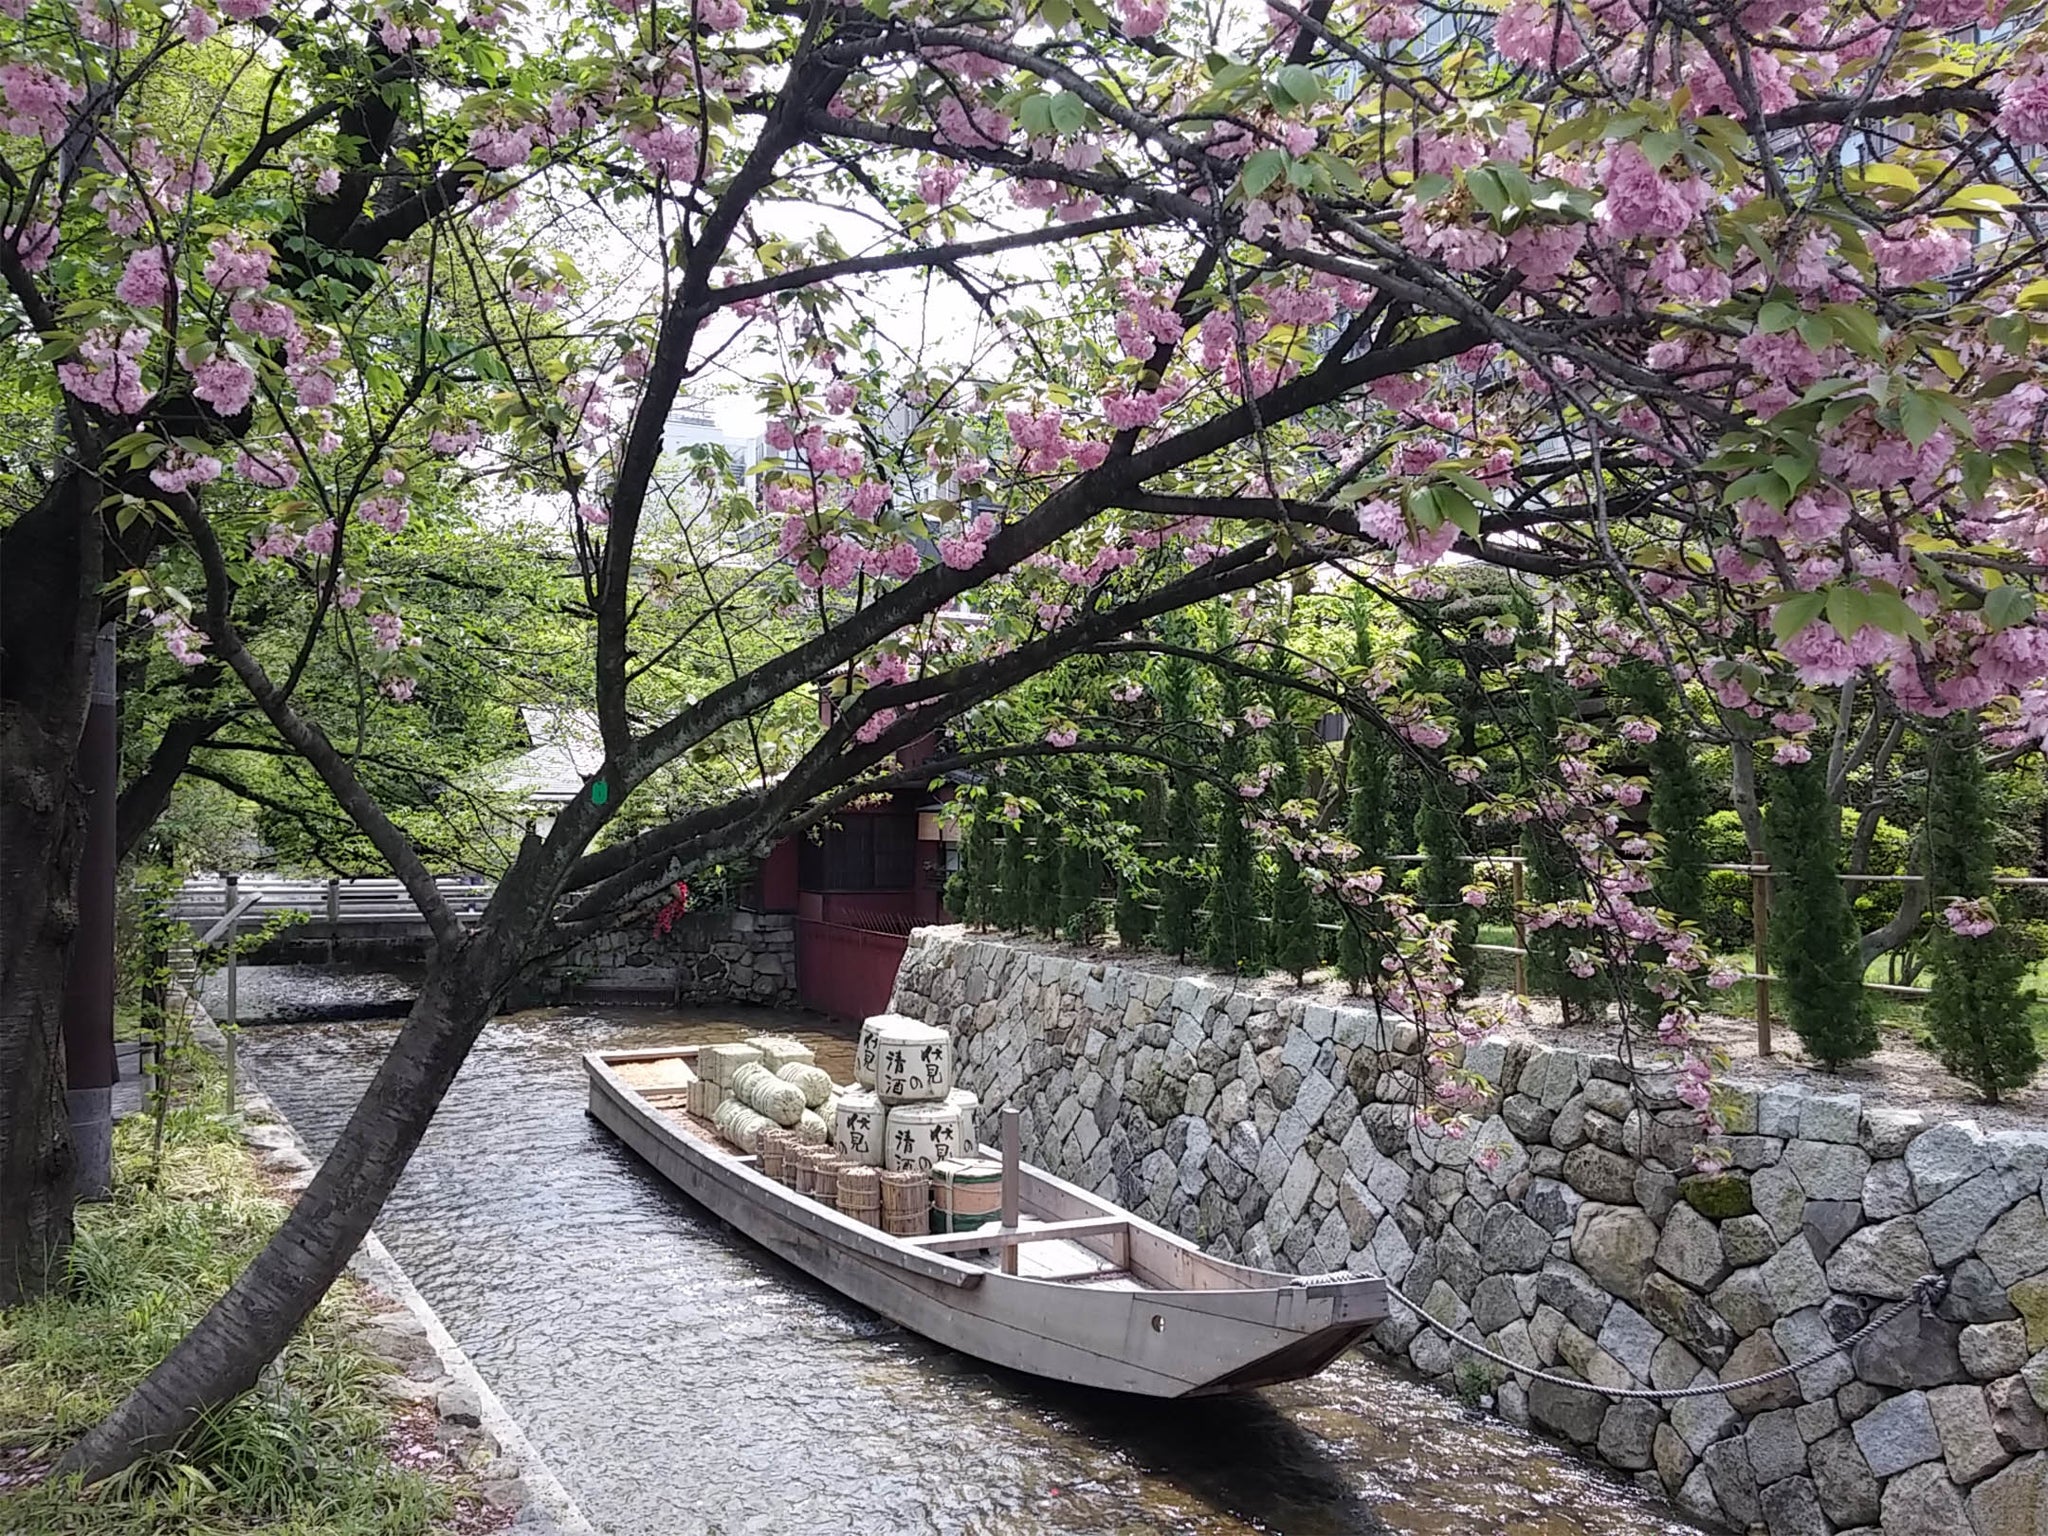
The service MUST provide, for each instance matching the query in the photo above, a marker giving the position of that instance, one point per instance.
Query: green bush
(1977, 1013)
(1813, 929)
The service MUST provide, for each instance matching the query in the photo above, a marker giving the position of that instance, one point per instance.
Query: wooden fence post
(1516, 890)
(1760, 923)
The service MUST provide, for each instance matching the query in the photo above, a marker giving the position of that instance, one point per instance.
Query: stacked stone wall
(706, 957)
(1568, 1229)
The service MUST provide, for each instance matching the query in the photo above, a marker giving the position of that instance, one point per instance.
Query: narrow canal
(680, 1380)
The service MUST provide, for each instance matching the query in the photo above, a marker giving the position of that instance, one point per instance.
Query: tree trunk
(221, 1357)
(49, 613)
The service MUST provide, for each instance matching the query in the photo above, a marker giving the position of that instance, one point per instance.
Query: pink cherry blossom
(179, 471)
(144, 282)
(107, 371)
(387, 512)
(235, 262)
(1642, 202)
(224, 384)
(35, 102)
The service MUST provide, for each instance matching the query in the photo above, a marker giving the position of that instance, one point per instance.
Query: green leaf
(1882, 173)
(2007, 605)
(1776, 317)
(1069, 113)
(1857, 327)
(1919, 417)
(1262, 170)
(1849, 609)
(1764, 484)
(1302, 83)
(1034, 115)
(1888, 611)
(1661, 147)
(1795, 613)
(2012, 332)
(1485, 186)
(1982, 197)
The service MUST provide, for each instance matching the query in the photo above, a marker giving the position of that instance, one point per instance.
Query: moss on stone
(1718, 1196)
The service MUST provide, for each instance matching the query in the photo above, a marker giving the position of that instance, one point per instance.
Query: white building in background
(692, 425)
(565, 751)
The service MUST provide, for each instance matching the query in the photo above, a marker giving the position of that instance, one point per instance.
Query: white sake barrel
(857, 1127)
(922, 1134)
(867, 1050)
(969, 1106)
(913, 1062)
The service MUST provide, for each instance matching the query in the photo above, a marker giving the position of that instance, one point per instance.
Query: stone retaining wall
(1569, 1230)
(707, 957)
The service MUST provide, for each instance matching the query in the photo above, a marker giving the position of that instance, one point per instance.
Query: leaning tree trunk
(222, 1356)
(49, 614)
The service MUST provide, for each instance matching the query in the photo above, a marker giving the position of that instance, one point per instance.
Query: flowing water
(680, 1380)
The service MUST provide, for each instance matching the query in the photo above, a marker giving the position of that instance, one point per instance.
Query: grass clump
(303, 1453)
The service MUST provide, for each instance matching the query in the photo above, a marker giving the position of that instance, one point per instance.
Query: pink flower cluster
(1041, 435)
(387, 512)
(1141, 18)
(144, 282)
(37, 101)
(180, 638)
(1642, 201)
(676, 150)
(936, 184)
(1918, 252)
(977, 128)
(235, 262)
(2023, 108)
(963, 551)
(1970, 919)
(224, 384)
(277, 543)
(1539, 32)
(1146, 322)
(270, 471)
(108, 371)
(502, 144)
(179, 471)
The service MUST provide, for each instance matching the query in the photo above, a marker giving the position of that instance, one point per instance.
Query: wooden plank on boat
(998, 1237)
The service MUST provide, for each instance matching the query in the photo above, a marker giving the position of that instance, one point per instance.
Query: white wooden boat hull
(1216, 1327)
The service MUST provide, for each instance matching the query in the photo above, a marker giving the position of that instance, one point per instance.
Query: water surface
(680, 1380)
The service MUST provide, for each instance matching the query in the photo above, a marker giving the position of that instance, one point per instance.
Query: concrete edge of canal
(477, 1429)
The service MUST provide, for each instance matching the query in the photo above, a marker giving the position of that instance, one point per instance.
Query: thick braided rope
(1928, 1291)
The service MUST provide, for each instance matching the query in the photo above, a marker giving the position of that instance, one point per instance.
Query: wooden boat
(1100, 1298)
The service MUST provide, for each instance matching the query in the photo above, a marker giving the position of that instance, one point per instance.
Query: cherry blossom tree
(1716, 328)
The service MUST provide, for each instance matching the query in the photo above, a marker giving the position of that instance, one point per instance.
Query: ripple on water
(680, 1380)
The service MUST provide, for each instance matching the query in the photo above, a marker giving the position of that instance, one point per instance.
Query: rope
(1928, 1292)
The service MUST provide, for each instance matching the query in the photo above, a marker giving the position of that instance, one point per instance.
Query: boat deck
(1063, 1259)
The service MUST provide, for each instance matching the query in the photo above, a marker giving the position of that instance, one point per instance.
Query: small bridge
(356, 920)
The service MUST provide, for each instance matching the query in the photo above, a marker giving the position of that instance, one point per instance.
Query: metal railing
(333, 903)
